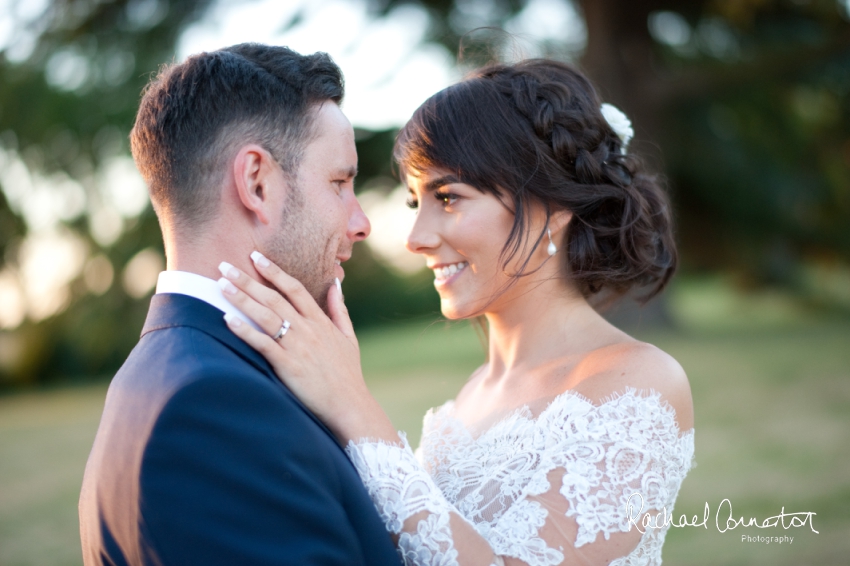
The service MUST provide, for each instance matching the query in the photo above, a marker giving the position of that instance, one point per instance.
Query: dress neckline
(523, 412)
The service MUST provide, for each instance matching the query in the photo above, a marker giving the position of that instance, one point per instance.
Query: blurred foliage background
(742, 104)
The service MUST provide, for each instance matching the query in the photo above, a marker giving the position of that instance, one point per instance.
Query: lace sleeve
(409, 502)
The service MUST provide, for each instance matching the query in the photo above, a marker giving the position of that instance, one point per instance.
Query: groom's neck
(202, 253)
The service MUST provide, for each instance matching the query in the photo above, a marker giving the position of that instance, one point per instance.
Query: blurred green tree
(749, 103)
(742, 103)
(70, 77)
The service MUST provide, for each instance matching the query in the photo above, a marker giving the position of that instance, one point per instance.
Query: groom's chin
(323, 304)
(321, 297)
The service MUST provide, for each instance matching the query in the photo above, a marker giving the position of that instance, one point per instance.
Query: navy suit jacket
(204, 457)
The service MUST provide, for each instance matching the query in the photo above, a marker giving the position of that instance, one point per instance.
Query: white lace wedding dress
(532, 485)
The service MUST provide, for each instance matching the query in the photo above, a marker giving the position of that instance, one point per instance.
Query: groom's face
(321, 218)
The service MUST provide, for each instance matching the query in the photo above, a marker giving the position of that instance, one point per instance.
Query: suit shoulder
(174, 357)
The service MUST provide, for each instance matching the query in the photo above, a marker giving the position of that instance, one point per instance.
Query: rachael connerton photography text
(724, 520)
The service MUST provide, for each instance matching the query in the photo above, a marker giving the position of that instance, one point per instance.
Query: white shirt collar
(201, 288)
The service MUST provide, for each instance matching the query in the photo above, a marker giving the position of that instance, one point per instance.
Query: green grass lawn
(772, 421)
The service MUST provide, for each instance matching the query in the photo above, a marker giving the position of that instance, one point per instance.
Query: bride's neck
(539, 325)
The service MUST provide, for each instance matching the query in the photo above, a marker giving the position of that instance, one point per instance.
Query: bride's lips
(447, 273)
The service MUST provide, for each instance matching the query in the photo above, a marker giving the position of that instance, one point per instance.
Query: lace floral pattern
(400, 489)
(603, 454)
(431, 544)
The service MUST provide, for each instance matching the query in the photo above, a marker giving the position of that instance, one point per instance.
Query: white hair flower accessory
(619, 122)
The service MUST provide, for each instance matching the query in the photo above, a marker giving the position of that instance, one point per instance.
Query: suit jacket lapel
(169, 310)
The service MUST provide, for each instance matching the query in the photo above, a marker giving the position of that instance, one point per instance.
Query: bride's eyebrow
(439, 182)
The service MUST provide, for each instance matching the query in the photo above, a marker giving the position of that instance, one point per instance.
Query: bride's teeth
(449, 270)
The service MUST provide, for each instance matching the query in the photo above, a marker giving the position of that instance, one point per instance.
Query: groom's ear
(253, 173)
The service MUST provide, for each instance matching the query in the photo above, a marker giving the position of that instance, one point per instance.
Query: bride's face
(461, 232)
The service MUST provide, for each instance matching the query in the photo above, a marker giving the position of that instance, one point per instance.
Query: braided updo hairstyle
(533, 132)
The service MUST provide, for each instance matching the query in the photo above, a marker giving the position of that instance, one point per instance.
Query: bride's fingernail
(227, 286)
(338, 285)
(260, 259)
(228, 270)
(232, 320)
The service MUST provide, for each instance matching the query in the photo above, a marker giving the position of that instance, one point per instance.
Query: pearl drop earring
(551, 249)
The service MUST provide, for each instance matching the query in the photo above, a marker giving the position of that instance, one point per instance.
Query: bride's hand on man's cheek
(317, 357)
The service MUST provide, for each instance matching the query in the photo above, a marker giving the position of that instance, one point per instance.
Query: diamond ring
(284, 328)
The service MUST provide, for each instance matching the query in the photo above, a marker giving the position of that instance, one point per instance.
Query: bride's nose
(423, 237)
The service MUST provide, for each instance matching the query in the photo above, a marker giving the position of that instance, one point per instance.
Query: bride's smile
(445, 274)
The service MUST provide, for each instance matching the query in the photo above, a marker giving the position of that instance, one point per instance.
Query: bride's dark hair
(534, 132)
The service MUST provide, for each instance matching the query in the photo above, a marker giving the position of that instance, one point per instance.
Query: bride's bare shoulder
(639, 365)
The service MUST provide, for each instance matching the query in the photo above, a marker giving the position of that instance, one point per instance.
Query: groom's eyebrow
(439, 182)
(347, 173)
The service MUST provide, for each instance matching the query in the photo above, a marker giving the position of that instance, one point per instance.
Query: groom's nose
(358, 223)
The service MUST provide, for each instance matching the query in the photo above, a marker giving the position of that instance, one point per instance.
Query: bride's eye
(447, 198)
(412, 203)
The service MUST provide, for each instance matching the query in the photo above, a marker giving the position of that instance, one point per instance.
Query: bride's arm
(427, 529)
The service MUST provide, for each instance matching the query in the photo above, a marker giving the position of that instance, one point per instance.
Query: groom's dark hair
(195, 115)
